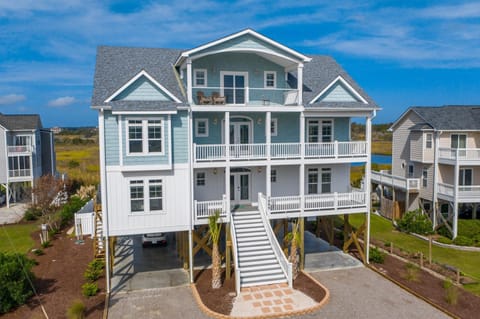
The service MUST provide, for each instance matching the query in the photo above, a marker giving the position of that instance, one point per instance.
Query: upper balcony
(399, 182)
(465, 193)
(348, 151)
(464, 156)
(19, 149)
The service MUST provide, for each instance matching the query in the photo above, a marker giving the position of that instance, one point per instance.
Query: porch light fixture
(259, 121)
(259, 169)
(215, 120)
(214, 171)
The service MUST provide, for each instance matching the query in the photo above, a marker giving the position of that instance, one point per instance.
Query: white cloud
(11, 99)
(62, 101)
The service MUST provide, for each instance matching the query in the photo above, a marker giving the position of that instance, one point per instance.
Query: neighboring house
(26, 153)
(436, 163)
(243, 125)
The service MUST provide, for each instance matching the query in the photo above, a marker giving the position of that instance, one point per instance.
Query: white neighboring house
(436, 163)
(26, 152)
(243, 125)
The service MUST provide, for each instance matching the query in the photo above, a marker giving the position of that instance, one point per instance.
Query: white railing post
(335, 148)
(335, 201)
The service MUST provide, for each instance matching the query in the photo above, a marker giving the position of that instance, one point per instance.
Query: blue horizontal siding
(143, 90)
(180, 146)
(111, 139)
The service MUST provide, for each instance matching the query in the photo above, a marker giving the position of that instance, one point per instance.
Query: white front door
(240, 132)
(240, 188)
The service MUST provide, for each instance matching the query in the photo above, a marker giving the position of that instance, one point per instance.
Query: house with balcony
(27, 153)
(242, 125)
(436, 163)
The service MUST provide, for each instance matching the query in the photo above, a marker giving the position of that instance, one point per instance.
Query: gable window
(145, 136)
(274, 127)
(201, 127)
(200, 77)
(146, 195)
(273, 176)
(270, 79)
(425, 177)
(200, 179)
(312, 181)
(428, 140)
(320, 131)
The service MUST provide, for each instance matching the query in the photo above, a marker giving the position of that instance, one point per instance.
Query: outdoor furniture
(202, 99)
(217, 99)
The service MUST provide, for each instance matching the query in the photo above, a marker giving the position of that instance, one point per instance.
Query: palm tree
(214, 230)
(293, 238)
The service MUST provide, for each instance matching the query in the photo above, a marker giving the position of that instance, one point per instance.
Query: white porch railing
(461, 154)
(204, 209)
(19, 172)
(283, 261)
(218, 152)
(235, 256)
(388, 179)
(465, 192)
(19, 149)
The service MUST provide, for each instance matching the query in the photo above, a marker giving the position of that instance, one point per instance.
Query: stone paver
(13, 214)
(269, 300)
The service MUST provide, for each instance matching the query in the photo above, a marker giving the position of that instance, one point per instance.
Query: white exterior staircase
(258, 262)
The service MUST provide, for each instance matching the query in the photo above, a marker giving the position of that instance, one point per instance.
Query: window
(200, 77)
(270, 79)
(465, 177)
(200, 179)
(320, 131)
(273, 176)
(312, 181)
(428, 140)
(326, 180)
(136, 196)
(425, 177)
(201, 127)
(23, 140)
(274, 127)
(19, 166)
(458, 141)
(410, 170)
(427, 206)
(145, 136)
(146, 196)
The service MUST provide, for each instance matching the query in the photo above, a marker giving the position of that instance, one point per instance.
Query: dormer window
(200, 77)
(270, 78)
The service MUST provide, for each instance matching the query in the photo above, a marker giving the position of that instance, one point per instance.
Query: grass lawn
(19, 236)
(382, 230)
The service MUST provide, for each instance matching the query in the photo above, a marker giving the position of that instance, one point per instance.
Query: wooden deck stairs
(98, 239)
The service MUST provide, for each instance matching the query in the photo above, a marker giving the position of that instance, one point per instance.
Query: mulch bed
(59, 277)
(430, 287)
(221, 300)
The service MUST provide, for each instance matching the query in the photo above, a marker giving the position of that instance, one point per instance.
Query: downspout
(103, 191)
(192, 203)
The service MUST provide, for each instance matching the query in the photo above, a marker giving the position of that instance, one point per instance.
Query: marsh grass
(411, 272)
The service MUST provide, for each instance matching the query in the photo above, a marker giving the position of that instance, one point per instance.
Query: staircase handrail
(235, 254)
(284, 263)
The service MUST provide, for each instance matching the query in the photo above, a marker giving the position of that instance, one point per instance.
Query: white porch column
(7, 193)
(302, 165)
(189, 81)
(302, 135)
(367, 183)
(435, 178)
(455, 196)
(226, 132)
(300, 83)
(268, 140)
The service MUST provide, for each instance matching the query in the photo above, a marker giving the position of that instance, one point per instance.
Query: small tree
(45, 191)
(293, 238)
(214, 230)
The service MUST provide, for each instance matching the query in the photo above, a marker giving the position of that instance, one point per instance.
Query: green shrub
(451, 292)
(415, 222)
(68, 210)
(92, 274)
(444, 240)
(463, 241)
(76, 310)
(411, 272)
(443, 231)
(15, 272)
(376, 256)
(468, 227)
(32, 214)
(89, 289)
(46, 244)
(38, 252)
(97, 264)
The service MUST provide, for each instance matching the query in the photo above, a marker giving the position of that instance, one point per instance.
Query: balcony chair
(217, 99)
(202, 99)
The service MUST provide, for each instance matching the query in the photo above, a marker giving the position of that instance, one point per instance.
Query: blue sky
(402, 53)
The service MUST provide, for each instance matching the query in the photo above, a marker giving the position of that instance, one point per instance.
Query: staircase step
(253, 243)
(257, 253)
(263, 282)
(271, 268)
(253, 238)
(267, 255)
(243, 217)
(248, 225)
(254, 248)
(250, 229)
(262, 278)
(257, 262)
(251, 234)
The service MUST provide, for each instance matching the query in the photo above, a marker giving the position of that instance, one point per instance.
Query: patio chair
(202, 99)
(217, 99)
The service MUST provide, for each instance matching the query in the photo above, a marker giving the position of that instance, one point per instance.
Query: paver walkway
(13, 214)
(269, 300)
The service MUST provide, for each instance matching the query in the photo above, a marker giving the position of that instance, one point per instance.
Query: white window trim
(197, 134)
(408, 170)
(146, 196)
(145, 151)
(320, 125)
(195, 84)
(265, 73)
(326, 170)
(426, 140)
(275, 131)
(204, 179)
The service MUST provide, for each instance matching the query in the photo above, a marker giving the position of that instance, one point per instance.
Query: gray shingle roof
(20, 121)
(117, 65)
(450, 117)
